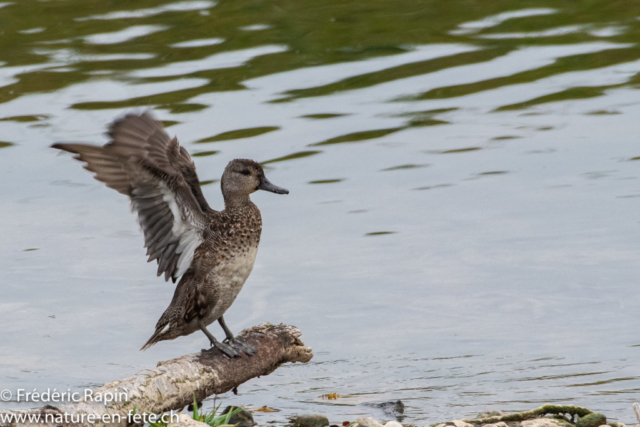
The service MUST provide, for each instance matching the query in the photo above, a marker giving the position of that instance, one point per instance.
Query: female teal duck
(212, 252)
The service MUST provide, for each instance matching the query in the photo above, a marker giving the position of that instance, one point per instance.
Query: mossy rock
(544, 410)
(311, 420)
(490, 414)
(592, 420)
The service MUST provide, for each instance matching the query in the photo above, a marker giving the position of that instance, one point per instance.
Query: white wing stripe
(186, 234)
(186, 257)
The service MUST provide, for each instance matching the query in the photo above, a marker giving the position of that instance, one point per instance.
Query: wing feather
(160, 178)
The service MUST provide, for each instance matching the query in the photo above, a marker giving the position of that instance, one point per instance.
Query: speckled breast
(235, 271)
(228, 278)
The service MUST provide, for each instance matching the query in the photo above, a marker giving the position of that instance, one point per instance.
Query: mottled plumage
(212, 252)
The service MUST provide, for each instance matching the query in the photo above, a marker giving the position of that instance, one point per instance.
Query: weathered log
(172, 384)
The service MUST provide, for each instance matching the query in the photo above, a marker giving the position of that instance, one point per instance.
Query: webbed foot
(228, 350)
(240, 346)
(233, 341)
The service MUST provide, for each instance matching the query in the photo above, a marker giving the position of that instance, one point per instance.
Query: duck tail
(158, 335)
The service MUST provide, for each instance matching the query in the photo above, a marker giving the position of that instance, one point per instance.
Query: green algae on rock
(559, 418)
(592, 420)
(312, 420)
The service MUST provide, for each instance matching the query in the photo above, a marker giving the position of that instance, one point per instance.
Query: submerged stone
(241, 419)
(391, 408)
(310, 420)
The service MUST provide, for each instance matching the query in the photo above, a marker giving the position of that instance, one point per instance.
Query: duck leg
(224, 348)
(233, 341)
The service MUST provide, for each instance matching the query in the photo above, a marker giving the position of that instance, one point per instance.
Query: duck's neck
(236, 201)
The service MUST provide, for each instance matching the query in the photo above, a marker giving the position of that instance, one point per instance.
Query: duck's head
(243, 177)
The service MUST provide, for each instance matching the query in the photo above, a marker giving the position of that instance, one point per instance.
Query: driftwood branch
(172, 384)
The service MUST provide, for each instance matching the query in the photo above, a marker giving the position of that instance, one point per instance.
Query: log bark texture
(172, 384)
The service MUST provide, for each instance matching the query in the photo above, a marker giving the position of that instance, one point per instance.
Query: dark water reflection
(508, 281)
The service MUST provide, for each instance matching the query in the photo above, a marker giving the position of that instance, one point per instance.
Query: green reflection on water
(239, 134)
(182, 108)
(426, 118)
(403, 167)
(460, 150)
(573, 93)
(205, 153)
(381, 233)
(327, 181)
(298, 155)
(48, 42)
(24, 119)
(507, 137)
(493, 173)
(358, 136)
(54, 39)
(323, 116)
(399, 72)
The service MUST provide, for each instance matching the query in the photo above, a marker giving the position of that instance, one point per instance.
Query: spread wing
(160, 178)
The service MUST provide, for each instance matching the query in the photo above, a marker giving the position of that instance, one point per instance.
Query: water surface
(462, 229)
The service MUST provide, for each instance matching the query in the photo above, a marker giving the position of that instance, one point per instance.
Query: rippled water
(462, 229)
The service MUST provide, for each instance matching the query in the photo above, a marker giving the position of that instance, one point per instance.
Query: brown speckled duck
(212, 252)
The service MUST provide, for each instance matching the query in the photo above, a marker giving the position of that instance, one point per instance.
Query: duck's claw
(233, 341)
(240, 346)
(228, 350)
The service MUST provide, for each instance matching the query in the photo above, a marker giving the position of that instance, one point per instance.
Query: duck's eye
(245, 172)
